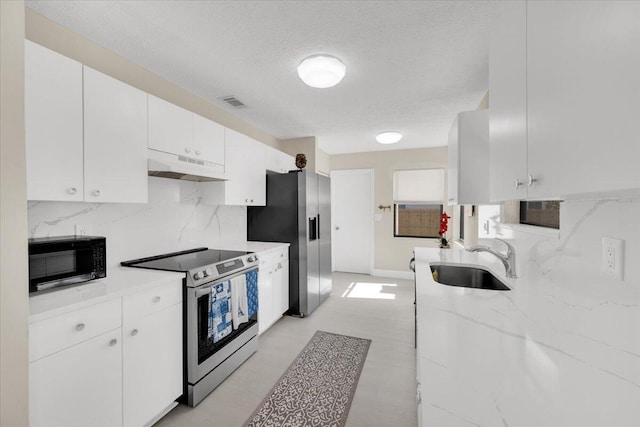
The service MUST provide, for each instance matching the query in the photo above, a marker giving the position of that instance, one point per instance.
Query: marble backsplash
(176, 217)
(575, 253)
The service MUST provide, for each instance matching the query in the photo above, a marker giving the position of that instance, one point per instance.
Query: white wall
(14, 305)
(175, 218)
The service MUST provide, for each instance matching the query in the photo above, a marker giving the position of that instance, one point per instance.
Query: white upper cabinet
(468, 151)
(115, 140)
(279, 162)
(86, 133)
(170, 128)
(174, 130)
(508, 100)
(245, 170)
(564, 98)
(583, 96)
(208, 140)
(53, 125)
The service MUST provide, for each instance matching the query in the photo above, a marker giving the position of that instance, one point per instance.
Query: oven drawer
(57, 333)
(151, 300)
(273, 256)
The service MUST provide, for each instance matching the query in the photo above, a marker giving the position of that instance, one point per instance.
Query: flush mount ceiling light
(321, 71)
(388, 137)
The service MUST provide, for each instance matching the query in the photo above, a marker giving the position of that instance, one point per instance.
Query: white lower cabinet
(273, 287)
(80, 375)
(152, 365)
(79, 386)
(265, 299)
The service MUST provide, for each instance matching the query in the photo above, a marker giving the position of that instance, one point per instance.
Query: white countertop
(542, 354)
(254, 246)
(119, 281)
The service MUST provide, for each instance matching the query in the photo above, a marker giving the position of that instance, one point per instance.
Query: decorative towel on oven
(220, 311)
(252, 291)
(239, 307)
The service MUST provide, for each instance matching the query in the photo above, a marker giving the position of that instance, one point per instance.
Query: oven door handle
(203, 291)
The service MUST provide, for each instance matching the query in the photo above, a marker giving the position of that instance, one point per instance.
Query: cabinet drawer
(152, 300)
(273, 256)
(57, 333)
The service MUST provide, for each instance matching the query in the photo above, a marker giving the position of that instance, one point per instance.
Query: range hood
(174, 166)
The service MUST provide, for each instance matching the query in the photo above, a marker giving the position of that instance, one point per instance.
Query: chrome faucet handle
(510, 248)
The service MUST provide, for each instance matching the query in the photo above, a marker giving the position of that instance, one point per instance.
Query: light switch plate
(613, 257)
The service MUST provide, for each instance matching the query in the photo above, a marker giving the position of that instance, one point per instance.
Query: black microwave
(65, 260)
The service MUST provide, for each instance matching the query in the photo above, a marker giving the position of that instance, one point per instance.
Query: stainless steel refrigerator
(298, 212)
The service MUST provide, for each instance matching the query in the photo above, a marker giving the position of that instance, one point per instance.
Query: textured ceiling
(411, 65)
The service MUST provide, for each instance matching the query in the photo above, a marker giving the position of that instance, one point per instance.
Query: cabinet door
(170, 128)
(452, 163)
(80, 386)
(245, 167)
(208, 140)
(115, 140)
(281, 288)
(53, 125)
(265, 298)
(508, 109)
(277, 161)
(583, 63)
(286, 161)
(152, 364)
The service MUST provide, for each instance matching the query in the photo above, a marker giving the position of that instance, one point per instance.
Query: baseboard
(393, 274)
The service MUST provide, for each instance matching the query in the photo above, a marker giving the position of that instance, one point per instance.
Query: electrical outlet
(84, 230)
(612, 257)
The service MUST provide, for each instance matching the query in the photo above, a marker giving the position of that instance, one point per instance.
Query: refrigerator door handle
(318, 224)
(312, 229)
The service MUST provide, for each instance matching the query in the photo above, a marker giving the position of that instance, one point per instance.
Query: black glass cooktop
(184, 260)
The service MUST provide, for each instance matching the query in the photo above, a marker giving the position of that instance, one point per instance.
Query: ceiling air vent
(233, 101)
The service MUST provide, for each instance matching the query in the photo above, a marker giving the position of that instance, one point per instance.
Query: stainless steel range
(213, 349)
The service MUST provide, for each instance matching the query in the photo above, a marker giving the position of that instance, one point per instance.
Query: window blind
(418, 186)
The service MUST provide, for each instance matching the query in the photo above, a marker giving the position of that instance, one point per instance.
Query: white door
(352, 220)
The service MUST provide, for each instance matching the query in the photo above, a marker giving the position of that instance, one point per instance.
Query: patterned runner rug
(318, 387)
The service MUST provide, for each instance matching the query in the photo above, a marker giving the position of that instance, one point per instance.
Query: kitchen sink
(468, 277)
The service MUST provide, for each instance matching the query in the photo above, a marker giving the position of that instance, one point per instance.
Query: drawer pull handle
(95, 193)
(79, 327)
(113, 342)
(134, 332)
(156, 299)
(72, 190)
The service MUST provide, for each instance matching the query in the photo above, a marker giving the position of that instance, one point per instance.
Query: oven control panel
(214, 271)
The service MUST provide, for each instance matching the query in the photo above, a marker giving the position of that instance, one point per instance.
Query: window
(545, 213)
(418, 196)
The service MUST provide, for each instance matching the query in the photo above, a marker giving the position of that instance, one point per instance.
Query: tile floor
(380, 309)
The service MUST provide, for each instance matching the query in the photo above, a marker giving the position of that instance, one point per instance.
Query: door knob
(531, 180)
(516, 183)
(72, 190)
(95, 193)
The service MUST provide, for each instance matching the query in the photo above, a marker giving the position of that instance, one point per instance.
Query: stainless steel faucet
(509, 260)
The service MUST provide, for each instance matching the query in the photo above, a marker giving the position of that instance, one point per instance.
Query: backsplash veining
(577, 253)
(176, 217)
